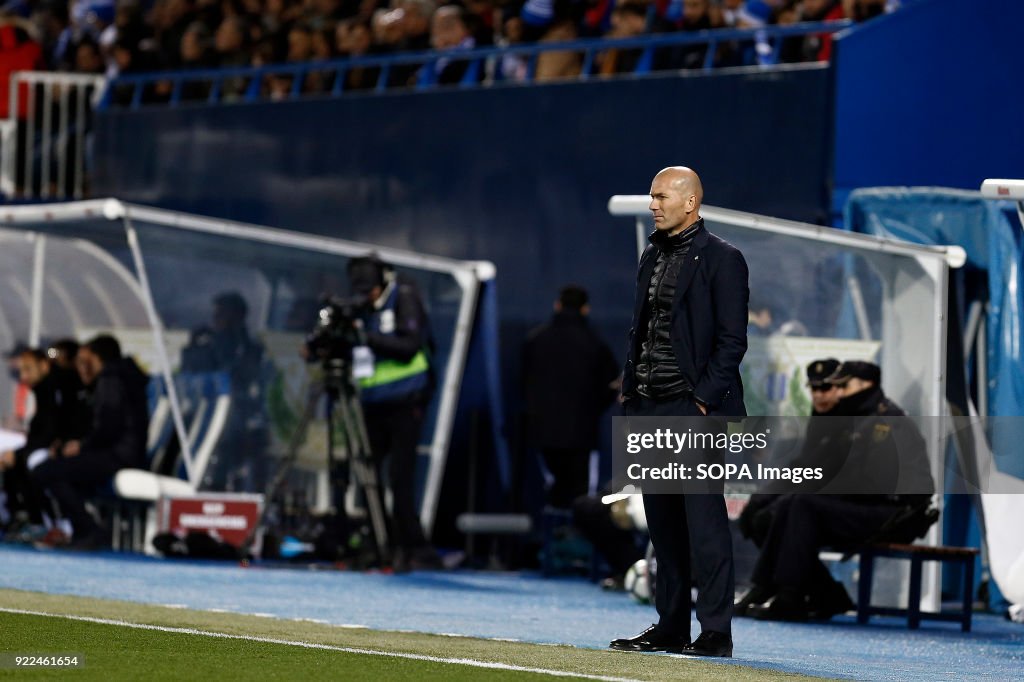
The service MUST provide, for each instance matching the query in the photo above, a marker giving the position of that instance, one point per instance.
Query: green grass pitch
(229, 646)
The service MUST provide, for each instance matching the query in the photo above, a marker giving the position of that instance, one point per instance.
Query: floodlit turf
(119, 652)
(111, 651)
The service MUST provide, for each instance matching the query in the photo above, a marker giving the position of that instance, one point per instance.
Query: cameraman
(396, 395)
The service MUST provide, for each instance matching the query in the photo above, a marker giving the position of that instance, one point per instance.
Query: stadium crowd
(115, 37)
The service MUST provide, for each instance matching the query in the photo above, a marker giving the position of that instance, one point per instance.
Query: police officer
(396, 395)
(878, 451)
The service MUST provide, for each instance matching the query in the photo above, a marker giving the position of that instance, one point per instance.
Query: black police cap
(819, 370)
(856, 369)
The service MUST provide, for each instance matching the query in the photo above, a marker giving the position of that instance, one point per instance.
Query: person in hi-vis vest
(395, 395)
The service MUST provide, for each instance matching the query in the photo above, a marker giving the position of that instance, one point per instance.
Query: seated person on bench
(117, 439)
(788, 567)
(60, 415)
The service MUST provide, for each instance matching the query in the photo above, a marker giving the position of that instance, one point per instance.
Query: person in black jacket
(60, 415)
(395, 397)
(117, 439)
(686, 341)
(885, 462)
(570, 379)
(226, 345)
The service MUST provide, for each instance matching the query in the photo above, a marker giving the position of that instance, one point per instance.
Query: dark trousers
(801, 525)
(394, 432)
(617, 545)
(691, 538)
(23, 495)
(570, 468)
(70, 480)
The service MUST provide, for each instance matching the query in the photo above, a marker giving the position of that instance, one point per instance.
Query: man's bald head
(686, 179)
(676, 196)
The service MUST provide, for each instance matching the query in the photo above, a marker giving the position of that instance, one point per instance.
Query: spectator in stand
(480, 19)
(196, 50)
(863, 10)
(196, 53)
(414, 23)
(19, 51)
(353, 39)
(231, 42)
(629, 20)
(387, 31)
(792, 47)
(231, 50)
(818, 48)
(52, 19)
(128, 25)
(323, 45)
(512, 67)
(300, 44)
(170, 20)
(693, 15)
(753, 14)
(727, 13)
(129, 58)
(117, 439)
(87, 20)
(559, 65)
(322, 49)
(88, 58)
(449, 32)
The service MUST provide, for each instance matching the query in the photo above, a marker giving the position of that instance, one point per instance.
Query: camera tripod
(343, 404)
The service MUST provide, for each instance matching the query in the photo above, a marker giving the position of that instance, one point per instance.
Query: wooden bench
(917, 555)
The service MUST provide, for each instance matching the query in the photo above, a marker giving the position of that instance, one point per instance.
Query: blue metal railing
(135, 90)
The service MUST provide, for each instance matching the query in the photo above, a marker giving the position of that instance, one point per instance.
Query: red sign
(224, 516)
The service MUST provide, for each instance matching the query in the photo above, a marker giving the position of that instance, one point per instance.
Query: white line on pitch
(328, 647)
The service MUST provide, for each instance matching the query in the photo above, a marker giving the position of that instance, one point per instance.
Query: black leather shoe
(831, 601)
(755, 596)
(787, 606)
(710, 643)
(652, 639)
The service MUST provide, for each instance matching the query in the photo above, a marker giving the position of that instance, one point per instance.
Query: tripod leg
(360, 461)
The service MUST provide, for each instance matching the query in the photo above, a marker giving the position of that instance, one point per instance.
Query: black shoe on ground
(652, 639)
(755, 596)
(788, 606)
(831, 602)
(710, 643)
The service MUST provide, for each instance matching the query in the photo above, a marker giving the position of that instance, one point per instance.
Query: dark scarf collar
(676, 242)
(860, 404)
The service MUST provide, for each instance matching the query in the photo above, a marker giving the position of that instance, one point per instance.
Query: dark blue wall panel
(931, 96)
(517, 175)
